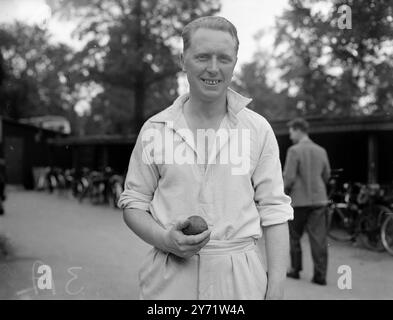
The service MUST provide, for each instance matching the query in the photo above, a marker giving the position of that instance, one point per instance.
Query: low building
(54, 123)
(97, 151)
(25, 146)
(362, 146)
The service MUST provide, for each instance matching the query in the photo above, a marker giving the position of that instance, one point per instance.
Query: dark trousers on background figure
(314, 220)
(2, 194)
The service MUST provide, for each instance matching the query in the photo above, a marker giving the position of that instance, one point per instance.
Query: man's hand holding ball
(187, 237)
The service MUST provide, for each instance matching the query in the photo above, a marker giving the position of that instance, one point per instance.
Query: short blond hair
(209, 22)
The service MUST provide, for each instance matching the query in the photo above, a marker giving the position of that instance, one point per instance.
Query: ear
(182, 65)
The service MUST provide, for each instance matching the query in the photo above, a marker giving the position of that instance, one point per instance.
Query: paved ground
(93, 255)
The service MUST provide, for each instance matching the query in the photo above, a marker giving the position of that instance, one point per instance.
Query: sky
(249, 17)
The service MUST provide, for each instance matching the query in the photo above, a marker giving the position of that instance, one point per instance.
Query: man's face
(209, 63)
(294, 135)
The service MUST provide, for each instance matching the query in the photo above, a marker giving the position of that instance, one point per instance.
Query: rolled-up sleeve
(141, 180)
(273, 204)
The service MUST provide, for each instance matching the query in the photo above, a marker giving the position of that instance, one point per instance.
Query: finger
(190, 250)
(198, 238)
(203, 243)
(181, 224)
(193, 239)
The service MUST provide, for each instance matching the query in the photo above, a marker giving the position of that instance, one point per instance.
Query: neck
(302, 137)
(207, 109)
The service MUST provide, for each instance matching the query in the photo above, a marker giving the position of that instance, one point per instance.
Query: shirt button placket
(205, 199)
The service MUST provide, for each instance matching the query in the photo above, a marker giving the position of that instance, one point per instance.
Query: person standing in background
(306, 174)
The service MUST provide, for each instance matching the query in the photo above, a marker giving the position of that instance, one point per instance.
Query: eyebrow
(220, 55)
(224, 55)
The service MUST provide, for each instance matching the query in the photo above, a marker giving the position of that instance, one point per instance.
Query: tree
(337, 71)
(329, 71)
(252, 81)
(131, 49)
(36, 79)
(365, 53)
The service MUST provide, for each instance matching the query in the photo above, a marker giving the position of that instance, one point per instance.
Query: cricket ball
(197, 225)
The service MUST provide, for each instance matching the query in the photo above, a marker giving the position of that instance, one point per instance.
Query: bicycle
(361, 215)
(116, 188)
(386, 202)
(343, 213)
(81, 184)
(96, 187)
(387, 233)
(342, 208)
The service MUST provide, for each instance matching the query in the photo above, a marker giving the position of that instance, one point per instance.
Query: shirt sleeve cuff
(131, 199)
(275, 214)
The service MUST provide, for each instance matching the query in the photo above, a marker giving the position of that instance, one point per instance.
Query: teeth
(211, 82)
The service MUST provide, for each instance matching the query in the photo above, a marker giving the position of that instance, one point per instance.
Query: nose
(212, 67)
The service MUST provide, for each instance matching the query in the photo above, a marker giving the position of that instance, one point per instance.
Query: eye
(225, 59)
(202, 57)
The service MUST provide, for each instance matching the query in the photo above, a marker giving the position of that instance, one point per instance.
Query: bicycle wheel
(94, 194)
(387, 234)
(80, 191)
(369, 226)
(340, 224)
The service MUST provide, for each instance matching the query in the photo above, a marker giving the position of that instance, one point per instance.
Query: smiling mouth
(211, 82)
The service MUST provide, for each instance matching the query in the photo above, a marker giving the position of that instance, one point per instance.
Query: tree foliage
(330, 71)
(36, 78)
(252, 81)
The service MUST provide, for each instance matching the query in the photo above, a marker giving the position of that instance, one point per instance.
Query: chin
(207, 96)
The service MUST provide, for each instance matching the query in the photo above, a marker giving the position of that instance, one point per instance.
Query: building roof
(29, 126)
(95, 140)
(55, 123)
(317, 125)
(347, 124)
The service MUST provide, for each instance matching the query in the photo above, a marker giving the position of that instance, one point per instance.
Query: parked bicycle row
(356, 212)
(99, 187)
(361, 212)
